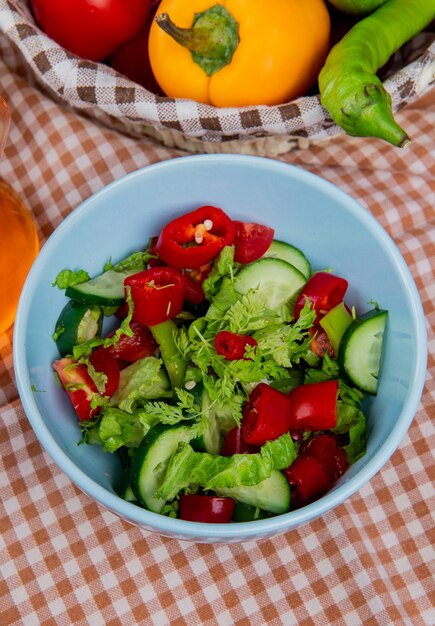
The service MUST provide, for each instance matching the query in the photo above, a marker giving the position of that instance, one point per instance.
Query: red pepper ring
(208, 509)
(314, 406)
(196, 238)
(232, 346)
(265, 415)
(157, 293)
(324, 291)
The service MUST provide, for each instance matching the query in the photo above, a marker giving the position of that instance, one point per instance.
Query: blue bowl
(329, 226)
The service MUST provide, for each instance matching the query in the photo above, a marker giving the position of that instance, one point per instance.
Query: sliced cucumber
(106, 289)
(76, 324)
(151, 460)
(360, 352)
(272, 494)
(277, 281)
(287, 252)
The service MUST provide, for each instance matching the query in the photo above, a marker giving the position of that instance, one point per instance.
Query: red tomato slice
(252, 241)
(78, 385)
(102, 361)
(131, 349)
(208, 509)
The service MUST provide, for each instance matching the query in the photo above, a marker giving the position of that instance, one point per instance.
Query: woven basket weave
(103, 94)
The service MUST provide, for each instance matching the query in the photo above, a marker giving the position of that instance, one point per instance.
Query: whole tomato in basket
(91, 29)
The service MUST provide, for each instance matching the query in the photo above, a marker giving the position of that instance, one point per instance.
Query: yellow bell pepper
(272, 51)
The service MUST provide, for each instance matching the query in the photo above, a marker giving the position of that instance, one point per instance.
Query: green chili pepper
(357, 7)
(164, 334)
(349, 88)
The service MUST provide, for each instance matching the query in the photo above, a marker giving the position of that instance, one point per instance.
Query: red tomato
(131, 349)
(252, 241)
(91, 29)
(209, 509)
(103, 362)
(78, 384)
(131, 59)
(308, 479)
(320, 342)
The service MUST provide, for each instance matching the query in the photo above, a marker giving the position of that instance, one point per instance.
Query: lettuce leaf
(188, 468)
(139, 382)
(118, 428)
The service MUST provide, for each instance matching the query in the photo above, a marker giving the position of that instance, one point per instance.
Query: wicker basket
(100, 92)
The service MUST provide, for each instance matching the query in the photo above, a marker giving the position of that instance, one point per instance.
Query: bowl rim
(243, 531)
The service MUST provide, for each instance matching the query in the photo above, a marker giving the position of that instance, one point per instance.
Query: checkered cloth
(104, 94)
(64, 560)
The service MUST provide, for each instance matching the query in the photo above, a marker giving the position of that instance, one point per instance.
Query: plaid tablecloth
(64, 560)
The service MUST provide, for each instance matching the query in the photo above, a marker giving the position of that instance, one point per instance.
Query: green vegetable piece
(76, 324)
(349, 88)
(213, 472)
(141, 381)
(67, 278)
(357, 7)
(334, 323)
(247, 513)
(212, 40)
(175, 364)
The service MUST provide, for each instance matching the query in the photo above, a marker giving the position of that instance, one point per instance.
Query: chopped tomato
(78, 385)
(105, 363)
(320, 342)
(131, 349)
(196, 238)
(252, 241)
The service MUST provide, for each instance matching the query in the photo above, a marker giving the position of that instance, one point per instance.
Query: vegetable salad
(231, 388)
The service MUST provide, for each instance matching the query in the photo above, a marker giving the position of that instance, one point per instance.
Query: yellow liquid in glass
(18, 248)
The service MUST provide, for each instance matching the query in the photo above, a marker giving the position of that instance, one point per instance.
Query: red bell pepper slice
(265, 415)
(252, 241)
(235, 444)
(324, 291)
(132, 349)
(232, 346)
(157, 293)
(78, 385)
(313, 406)
(196, 238)
(208, 509)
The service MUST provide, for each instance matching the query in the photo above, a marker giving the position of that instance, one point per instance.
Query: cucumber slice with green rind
(272, 494)
(275, 280)
(76, 324)
(291, 254)
(360, 351)
(151, 460)
(106, 289)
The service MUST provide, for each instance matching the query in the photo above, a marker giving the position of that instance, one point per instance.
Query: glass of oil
(18, 238)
